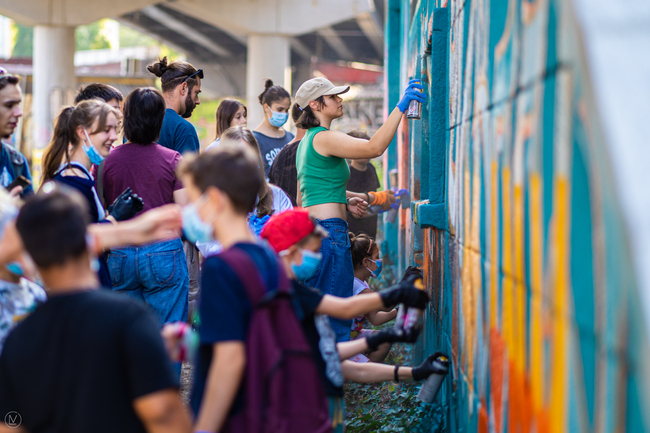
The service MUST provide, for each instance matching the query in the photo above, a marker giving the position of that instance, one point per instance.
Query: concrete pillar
(268, 57)
(54, 82)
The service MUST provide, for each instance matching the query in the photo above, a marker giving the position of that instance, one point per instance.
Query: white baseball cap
(315, 88)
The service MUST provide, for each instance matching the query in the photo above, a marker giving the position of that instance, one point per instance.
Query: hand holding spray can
(408, 319)
(431, 386)
(415, 107)
(413, 317)
(393, 181)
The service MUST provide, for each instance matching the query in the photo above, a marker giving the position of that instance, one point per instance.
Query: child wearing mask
(366, 262)
(270, 134)
(222, 187)
(297, 238)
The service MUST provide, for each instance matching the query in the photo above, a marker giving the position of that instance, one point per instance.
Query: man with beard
(181, 85)
(12, 163)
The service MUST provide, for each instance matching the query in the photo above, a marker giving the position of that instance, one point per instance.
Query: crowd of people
(139, 252)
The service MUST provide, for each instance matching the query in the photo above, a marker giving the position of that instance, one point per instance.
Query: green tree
(90, 37)
(133, 38)
(23, 41)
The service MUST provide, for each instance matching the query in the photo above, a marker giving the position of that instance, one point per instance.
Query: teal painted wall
(516, 220)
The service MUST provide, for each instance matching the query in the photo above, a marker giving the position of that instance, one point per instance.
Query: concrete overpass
(237, 43)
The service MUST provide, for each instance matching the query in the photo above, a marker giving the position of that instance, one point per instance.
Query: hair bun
(159, 68)
(268, 83)
(352, 236)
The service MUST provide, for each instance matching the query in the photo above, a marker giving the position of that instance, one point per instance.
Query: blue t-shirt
(226, 311)
(178, 134)
(270, 147)
(10, 157)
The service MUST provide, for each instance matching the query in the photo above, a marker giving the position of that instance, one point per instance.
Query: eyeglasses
(199, 73)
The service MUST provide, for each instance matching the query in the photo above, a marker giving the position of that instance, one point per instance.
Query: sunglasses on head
(199, 73)
(3, 72)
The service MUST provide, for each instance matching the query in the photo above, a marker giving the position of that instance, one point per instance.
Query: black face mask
(189, 106)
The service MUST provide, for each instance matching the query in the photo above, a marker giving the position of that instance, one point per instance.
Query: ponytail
(58, 147)
(83, 114)
(308, 119)
(361, 247)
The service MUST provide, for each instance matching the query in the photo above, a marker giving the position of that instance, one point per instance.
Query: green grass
(389, 406)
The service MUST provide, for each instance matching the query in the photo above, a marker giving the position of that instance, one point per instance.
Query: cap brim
(337, 90)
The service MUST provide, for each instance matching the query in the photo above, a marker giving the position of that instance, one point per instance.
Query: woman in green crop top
(323, 175)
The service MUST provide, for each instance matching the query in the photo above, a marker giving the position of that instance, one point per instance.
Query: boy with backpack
(255, 367)
(253, 371)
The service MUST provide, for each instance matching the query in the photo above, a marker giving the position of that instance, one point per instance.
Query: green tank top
(323, 179)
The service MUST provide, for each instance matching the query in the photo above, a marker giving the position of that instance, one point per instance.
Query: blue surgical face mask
(195, 229)
(376, 272)
(15, 268)
(92, 153)
(278, 119)
(309, 265)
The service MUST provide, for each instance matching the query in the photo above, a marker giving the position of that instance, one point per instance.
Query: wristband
(396, 375)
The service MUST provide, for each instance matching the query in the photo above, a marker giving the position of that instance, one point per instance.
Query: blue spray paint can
(432, 385)
(415, 107)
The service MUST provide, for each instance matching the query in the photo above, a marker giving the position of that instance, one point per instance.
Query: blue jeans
(156, 274)
(335, 275)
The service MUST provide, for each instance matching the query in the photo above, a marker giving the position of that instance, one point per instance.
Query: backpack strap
(246, 270)
(100, 182)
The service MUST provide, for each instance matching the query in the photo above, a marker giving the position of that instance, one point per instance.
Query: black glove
(125, 206)
(410, 271)
(405, 293)
(391, 335)
(427, 368)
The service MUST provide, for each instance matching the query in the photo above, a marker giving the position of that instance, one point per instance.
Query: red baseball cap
(290, 227)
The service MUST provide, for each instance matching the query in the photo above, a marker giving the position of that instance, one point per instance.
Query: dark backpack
(283, 389)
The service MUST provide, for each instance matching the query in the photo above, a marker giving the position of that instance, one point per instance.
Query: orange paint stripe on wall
(507, 287)
(518, 403)
(498, 364)
(515, 398)
(494, 245)
(483, 421)
(519, 295)
(536, 372)
(560, 349)
(469, 301)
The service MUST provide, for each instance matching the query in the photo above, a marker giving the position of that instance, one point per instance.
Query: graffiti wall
(517, 222)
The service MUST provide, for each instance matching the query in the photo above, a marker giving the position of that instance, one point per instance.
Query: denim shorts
(155, 273)
(335, 275)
